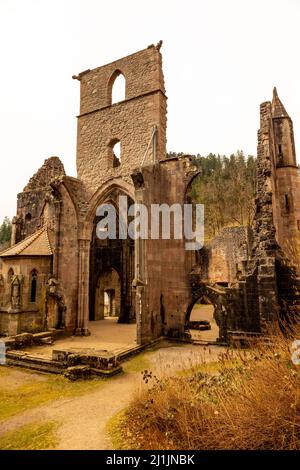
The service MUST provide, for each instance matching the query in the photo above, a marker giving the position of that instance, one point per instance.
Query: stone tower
(102, 123)
(286, 181)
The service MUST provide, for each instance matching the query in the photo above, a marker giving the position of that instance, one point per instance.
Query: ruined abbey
(57, 274)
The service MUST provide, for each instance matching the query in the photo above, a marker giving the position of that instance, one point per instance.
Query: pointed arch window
(33, 285)
(114, 147)
(10, 274)
(117, 153)
(117, 87)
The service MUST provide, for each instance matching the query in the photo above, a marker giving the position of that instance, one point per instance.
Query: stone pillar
(264, 229)
(83, 288)
(139, 283)
(13, 231)
(139, 304)
(57, 209)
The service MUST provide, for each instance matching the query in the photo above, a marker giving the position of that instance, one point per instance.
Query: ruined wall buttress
(66, 255)
(31, 201)
(265, 244)
(164, 293)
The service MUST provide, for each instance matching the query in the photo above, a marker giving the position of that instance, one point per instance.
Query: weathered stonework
(130, 121)
(250, 274)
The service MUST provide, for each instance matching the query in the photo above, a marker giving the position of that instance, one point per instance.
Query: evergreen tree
(226, 187)
(5, 233)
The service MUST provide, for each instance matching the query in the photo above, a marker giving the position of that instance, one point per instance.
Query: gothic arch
(10, 274)
(117, 74)
(33, 285)
(216, 297)
(190, 179)
(114, 153)
(101, 196)
(201, 291)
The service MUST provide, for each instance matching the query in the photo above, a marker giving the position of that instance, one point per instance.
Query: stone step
(47, 340)
(35, 366)
(106, 373)
(42, 334)
(202, 342)
(21, 359)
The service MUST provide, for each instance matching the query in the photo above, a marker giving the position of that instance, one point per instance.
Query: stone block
(78, 372)
(23, 339)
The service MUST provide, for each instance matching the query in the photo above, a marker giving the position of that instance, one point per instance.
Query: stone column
(139, 283)
(13, 231)
(83, 288)
(57, 210)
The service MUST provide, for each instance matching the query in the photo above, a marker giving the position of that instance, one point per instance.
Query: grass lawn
(35, 436)
(42, 389)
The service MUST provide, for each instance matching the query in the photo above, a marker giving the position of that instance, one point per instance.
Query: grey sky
(221, 60)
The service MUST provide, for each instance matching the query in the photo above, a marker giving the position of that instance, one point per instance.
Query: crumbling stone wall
(48, 201)
(130, 121)
(100, 124)
(65, 256)
(31, 201)
(162, 287)
(266, 290)
(248, 274)
(224, 258)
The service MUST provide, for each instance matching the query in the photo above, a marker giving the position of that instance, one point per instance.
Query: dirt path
(83, 419)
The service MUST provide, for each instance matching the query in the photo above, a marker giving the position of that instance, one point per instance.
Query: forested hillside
(226, 187)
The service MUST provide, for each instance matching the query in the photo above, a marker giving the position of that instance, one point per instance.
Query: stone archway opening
(200, 322)
(110, 303)
(108, 295)
(111, 272)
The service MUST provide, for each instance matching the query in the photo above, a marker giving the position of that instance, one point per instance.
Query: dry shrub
(252, 401)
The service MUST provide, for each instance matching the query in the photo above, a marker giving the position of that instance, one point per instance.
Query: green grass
(113, 429)
(137, 363)
(38, 392)
(211, 368)
(31, 437)
(4, 371)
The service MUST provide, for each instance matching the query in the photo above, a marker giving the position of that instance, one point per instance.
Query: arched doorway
(108, 295)
(201, 322)
(111, 271)
(208, 304)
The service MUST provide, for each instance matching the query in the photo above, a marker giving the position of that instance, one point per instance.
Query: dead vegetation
(248, 400)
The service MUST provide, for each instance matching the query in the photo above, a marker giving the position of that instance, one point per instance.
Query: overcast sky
(221, 59)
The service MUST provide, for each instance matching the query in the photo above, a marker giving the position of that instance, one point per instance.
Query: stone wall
(131, 122)
(250, 278)
(265, 292)
(287, 215)
(66, 250)
(286, 180)
(31, 201)
(30, 315)
(19, 322)
(224, 259)
(163, 291)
